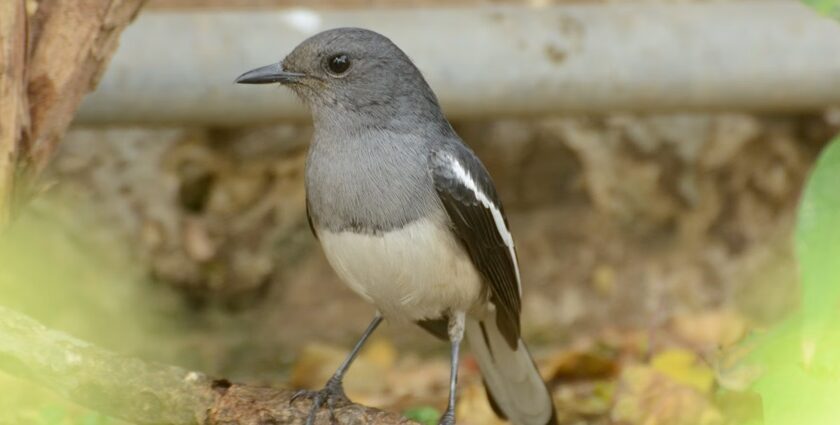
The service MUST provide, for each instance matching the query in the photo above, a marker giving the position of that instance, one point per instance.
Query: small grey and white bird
(407, 215)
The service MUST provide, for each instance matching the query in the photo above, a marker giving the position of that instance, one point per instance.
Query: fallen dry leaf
(684, 367)
(420, 379)
(584, 401)
(197, 241)
(603, 279)
(740, 407)
(573, 366)
(719, 328)
(317, 363)
(473, 407)
(380, 352)
(734, 370)
(647, 396)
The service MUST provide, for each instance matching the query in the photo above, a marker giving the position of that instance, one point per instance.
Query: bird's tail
(514, 386)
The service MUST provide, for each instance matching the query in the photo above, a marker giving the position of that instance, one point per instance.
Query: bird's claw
(448, 418)
(332, 394)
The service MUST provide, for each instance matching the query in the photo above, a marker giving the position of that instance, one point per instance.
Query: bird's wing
(478, 221)
(309, 220)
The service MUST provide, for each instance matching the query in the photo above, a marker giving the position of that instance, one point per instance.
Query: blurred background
(650, 157)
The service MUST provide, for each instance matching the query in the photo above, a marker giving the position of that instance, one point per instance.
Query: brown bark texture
(52, 53)
(148, 393)
(13, 100)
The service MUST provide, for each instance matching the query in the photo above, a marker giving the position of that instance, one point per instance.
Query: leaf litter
(627, 377)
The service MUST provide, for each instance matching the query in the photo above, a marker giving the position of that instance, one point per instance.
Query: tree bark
(13, 105)
(52, 53)
(149, 393)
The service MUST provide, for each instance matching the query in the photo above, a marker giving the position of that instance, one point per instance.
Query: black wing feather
(475, 227)
(436, 327)
(309, 220)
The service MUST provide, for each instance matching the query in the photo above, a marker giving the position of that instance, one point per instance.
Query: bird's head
(349, 71)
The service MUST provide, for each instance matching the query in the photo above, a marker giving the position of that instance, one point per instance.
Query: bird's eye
(338, 64)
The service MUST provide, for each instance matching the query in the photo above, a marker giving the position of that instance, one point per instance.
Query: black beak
(269, 74)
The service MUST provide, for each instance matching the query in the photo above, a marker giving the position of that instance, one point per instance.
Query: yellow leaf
(648, 397)
(474, 409)
(684, 367)
(317, 363)
(380, 352)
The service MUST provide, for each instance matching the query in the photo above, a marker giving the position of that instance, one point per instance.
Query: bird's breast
(414, 273)
(368, 186)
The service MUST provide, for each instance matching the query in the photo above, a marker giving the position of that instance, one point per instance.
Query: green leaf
(800, 358)
(426, 415)
(818, 248)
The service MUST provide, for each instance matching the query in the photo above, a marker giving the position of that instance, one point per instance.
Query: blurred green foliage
(426, 415)
(84, 286)
(64, 270)
(23, 403)
(800, 359)
(818, 252)
(826, 7)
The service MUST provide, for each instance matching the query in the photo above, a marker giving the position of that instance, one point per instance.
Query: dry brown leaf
(317, 363)
(197, 242)
(419, 379)
(590, 400)
(603, 279)
(719, 328)
(734, 371)
(380, 352)
(648, 397)
(473, 407)
(572, 366)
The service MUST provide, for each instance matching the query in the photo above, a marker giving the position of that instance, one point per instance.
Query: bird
(408, 216)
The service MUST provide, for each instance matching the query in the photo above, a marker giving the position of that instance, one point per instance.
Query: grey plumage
(407, 214)
(344, 171)
(370, 127)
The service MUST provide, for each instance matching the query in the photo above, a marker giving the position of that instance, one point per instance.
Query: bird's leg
(333, 392)
(456, 334)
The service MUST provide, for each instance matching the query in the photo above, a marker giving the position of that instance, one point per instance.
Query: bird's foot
(448, 418)
(332, 394)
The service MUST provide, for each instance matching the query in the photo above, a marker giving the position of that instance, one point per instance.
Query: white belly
(417, 272)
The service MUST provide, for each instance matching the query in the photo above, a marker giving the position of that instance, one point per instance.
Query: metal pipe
(176, 67)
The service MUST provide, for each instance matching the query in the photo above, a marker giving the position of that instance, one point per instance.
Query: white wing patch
(466, 179)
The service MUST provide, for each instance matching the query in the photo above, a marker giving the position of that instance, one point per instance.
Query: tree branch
(150, 393)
